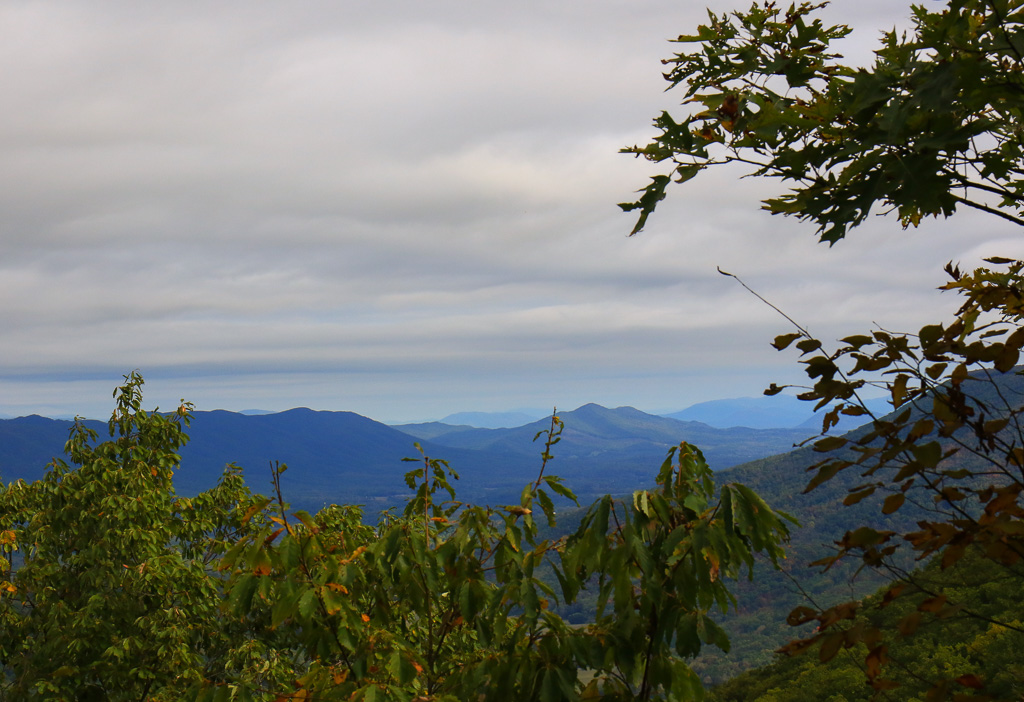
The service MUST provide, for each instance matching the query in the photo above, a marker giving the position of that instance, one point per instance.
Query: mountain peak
(591, 407)
(594, 409)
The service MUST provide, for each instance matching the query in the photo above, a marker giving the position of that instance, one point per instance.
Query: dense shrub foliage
(116, 588)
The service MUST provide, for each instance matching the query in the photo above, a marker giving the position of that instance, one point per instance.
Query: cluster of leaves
(115, 588)
(971, 648)
(107, 591)
(953, 448)
(934, 124)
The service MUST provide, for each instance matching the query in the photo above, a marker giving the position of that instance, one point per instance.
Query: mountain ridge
(337, 456)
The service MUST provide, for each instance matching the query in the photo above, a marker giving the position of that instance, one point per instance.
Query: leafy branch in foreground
(953, 450)
(935, 124)
(446, 601)
(661, 563)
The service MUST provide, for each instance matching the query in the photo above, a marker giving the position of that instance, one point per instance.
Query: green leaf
(826, 472)
(652, 195)
(688, 641)
(400, 668)
(555, 483)
(284, 608)
(807, 345)
(712, 633)
(333, 599)
(308, 604)
(857, 340)
(547, 506)
(928, 454)
(240, 597)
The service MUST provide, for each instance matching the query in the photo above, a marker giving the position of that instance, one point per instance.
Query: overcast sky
(403, 209)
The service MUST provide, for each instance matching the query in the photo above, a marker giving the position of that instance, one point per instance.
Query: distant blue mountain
(601, 448)
(769, 412)
(344, 457)
(492, 420)
(775, 412)
(332, 456)
(432, 430)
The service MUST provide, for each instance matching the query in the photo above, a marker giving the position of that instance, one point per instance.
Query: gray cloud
(403, 210)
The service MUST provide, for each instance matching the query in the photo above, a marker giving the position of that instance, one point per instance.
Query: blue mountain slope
(776, 411)
(768, 412)
(345, 457)
(332, 456)
(596, 437)
(492, 420)
(29, 444)
(430, 430)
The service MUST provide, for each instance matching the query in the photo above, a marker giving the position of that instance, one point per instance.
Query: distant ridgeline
(342, 457)
(769, 412)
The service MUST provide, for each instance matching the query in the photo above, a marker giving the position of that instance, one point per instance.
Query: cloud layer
(403, 210)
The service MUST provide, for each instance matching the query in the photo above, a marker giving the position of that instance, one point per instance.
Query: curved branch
(1002, 192)
(991, 210)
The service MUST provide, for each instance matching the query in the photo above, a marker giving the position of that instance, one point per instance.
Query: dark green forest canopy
(965, 648)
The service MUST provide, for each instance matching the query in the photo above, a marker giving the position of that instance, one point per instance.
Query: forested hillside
(759, 626)
(973, 648)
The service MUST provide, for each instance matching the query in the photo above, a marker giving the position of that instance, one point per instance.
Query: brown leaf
(855, 497)
(795, 648)
(801, 615)
(952, 554)
(874, 661)
(971, 680)
(893, 503)
(892, 593)
(830, 646)
(933, 604)
(909, 623)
